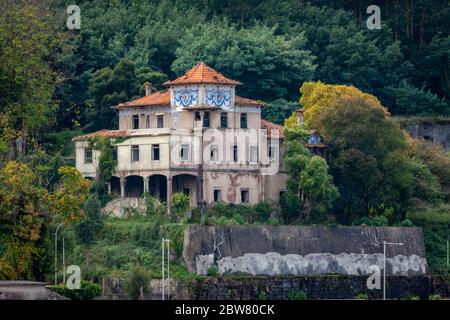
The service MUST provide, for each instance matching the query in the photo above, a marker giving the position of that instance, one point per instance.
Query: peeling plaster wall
(298, 250)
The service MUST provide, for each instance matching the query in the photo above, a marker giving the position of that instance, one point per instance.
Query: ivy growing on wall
(106, 163)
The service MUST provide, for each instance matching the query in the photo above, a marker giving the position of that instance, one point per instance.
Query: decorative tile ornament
(185, 97)
(218, 97)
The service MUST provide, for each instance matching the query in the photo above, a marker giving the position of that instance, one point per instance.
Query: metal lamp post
(56, 252)
(384, 263)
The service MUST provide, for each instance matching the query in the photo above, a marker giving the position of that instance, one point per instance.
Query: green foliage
(297, 295)
(434, 297)
(213, 271)
(279, 110)
(362, 296)
(270, 65)
(136, 280)
(87, 291)
(180, 205)
(87, 229)
(377, 221)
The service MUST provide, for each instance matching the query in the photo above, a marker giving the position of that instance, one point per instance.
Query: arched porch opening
(115, 185)
(134, 186)
(157, 187)
(188, 184)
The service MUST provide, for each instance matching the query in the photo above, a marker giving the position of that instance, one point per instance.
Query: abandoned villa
(196, 137)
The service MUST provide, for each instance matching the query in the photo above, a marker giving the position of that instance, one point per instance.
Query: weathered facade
(197, 137)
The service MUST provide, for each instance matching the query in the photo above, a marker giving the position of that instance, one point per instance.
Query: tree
(278, 110)
(92, 223)
(22, 221)
(109, 87)
(269, 65)
(316, 97)
(310, 187)
(26, 78)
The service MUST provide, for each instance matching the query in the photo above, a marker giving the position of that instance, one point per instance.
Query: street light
(56, 252)
(384, 263)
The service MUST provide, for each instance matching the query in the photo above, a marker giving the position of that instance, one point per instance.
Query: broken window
(245, 196)
(87, 155)
(184, 152)
(214, 153)
(134, 153)
(217, 195)
(155, 152)
(135, 121)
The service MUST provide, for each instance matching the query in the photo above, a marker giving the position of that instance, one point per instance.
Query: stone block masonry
(303, 250)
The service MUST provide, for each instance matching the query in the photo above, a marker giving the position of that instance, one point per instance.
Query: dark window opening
(206, 119)
(243, 120)
(217, 195)
(88, 155)
(147, 121)
(187, 191)
(160, 121)
(235, 153)
(115, 153)
(245, 196)
(197, 116)
(224, 120)
(135, 121)
(214, 152)
(155, 152)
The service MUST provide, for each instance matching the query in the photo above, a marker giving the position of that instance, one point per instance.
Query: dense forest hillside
(57, 83)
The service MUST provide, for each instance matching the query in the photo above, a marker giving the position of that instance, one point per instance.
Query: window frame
(134, 148)
(159, 117)
(135, 121)
(224, 120)
(243, 192)
(219, 198)
(88, 160)
(243, 124)
(155, 147)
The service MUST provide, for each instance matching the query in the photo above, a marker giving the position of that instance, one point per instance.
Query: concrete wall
(294, 250)
(26, 290)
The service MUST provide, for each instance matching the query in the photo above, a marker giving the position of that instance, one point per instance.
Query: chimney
(300, 118)
(148, 88)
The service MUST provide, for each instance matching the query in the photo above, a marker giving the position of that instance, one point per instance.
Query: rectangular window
(147, 121)
(235, 153)
(214, 152)
(224, 120)
(253, 154)
(115, 153)
(160, 121)
(217, 195)
(245, 197)
(206, 119)
(134, 153)
(184, 152)
(243, 120)
(135, 121)
(155, 152)
(87, 155)
(197, 116)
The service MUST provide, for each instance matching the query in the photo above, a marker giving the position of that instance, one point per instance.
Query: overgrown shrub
(180, 205)
(362, 296)
(137, 278)
(87, 291)
(297, 295)
(213, 271)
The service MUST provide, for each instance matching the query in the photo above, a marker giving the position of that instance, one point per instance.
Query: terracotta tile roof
(272, 126)
(103, 133)
(243, 102)
(160, 98)
(201, 73)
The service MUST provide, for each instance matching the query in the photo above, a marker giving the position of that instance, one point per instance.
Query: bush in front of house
(137, 278)
(88, 291)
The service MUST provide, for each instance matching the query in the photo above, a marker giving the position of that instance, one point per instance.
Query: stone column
(169, 195)
(146, 184)
(122, 187)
